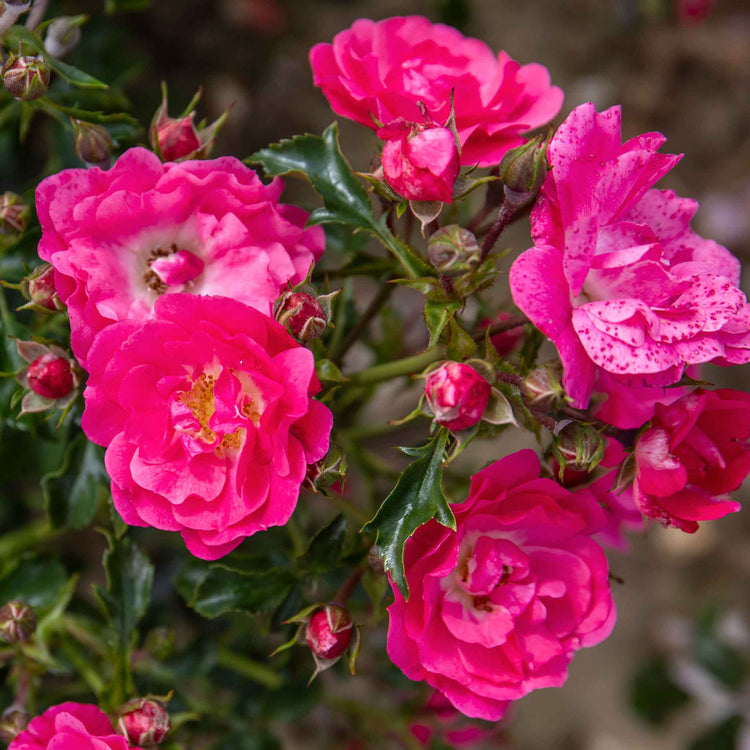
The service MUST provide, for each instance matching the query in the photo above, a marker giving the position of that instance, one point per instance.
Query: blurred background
(676, 672)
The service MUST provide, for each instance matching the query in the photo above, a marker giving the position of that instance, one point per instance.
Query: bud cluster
(17, 622)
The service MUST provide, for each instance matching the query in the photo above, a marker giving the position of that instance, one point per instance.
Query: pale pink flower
(206, 413)
(420, 162)
(694, 453)
(120, 239)
(70, 726)
(497, 608)
(377, 72)
(617, 279)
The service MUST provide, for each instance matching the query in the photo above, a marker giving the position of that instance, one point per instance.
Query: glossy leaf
(416, 498)
(71, 493)
(36, 582)
(319, 158)
(325, 548)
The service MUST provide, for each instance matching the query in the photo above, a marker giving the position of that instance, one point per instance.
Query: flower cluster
(169, 273)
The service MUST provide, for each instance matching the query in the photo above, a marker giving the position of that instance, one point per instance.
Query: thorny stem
(397, 368)
(504, 216)
(513, 321)
(365, 319)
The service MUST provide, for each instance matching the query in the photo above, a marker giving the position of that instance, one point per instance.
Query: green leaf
(130, 575)
(72, 491)
(654, 695)
(437, 315)
(36, 582)
(112, 6)
(325, 548)
(221, 589)
(416, 498)
(327, 372)
(319, 158)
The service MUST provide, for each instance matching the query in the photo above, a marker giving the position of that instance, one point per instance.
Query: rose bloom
(420, 162)
(617, 279)
(121, 239)
(70, 726)
(457, 395)
(206, 413)
(381, 71)
(497, 608)
(695, 452)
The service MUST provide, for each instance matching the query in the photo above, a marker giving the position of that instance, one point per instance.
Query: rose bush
(617, 279)
(206, 413)
(120, 239)
(70, 726)
(497, 608)
(377, 72)
(695, 452)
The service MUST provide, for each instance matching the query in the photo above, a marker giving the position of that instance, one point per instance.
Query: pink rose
(498, 607)
(694, 453)
(121, 239)
(617, 279)
(206, 413)
(70, 726)
(387, 69)
(457, 395)
(420, 162)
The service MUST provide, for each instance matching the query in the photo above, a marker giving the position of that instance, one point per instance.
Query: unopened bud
(92, 143)
(12, 722)
(143, 722)
(523, 170)
(578, 446)
(541, 388)
(176, 139)
(26, 76)
(328, 633)
(328, 472)
(457, 395)
(63, 35)
(17, 622)
(50, 376)
(302, 314)
(14, 215)
(40, 287)
(453, 249)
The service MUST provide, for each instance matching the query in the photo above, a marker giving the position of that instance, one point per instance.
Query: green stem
(249, 668)
(89, 675)
(397, 368)
(15, 543)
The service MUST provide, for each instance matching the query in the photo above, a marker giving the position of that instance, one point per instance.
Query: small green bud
(453, 250)
(92, 143)
(578, 446)
(523, 169)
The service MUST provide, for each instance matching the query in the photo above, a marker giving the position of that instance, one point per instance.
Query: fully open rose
(121, 239)
(498, 607)
(206, 413)
(70, 726)
(617, 279)
(381, 71)
(695, 452)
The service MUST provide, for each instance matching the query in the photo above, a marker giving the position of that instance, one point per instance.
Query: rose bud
(14, 215)
(301, 314)
(12, 722)
(541, 389)
(328, 634)
(39, 287)
(51, 377)
(523, 170)
(92, 143)
(17, 622)
(143, 722)
(457, 395)
(420, 161)
(26, 76)
(177, 138)
(453, 250)
(578, 446)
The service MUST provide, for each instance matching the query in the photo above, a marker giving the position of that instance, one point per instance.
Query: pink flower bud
(41, 287)
(17, 622)
(177, 138)
(50, 376)
(457, 395)
(420, 161)
(26, 76)
(329, 632)
(92, 143)
(301, 314)
(143, 722)
(14, 215)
